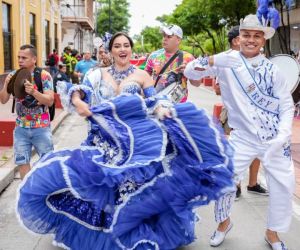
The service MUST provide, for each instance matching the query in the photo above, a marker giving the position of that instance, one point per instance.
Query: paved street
(249, 213)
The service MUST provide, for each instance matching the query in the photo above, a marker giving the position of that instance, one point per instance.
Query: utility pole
(109, 6)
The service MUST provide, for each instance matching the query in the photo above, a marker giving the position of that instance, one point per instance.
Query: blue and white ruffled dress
(135, 182)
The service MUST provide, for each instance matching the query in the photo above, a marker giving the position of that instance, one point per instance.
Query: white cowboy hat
(251, 22)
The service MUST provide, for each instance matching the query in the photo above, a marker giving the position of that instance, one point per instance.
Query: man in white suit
(260, 112)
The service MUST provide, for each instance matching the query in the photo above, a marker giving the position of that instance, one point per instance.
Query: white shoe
(279, 245)
(218, 237)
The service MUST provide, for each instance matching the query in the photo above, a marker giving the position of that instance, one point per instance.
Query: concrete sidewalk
(7, 166)
(248, 217)
(249, 224)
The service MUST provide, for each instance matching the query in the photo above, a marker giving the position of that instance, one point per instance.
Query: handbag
(174, 91)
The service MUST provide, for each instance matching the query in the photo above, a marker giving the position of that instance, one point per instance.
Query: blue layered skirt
(133, 184)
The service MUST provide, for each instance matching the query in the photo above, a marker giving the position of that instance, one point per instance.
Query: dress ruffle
(134, 184)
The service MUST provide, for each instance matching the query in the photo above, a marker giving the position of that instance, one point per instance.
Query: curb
(7, 171)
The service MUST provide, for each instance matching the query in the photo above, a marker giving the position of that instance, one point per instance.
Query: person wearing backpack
(53, 62)
(33, 118)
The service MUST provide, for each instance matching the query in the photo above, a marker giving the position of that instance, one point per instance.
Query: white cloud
(144, 12)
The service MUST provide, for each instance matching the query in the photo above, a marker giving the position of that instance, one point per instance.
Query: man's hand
(162, 113)
(29, 87)
(7, 79)
(82, 108)
(4, 95)
(181, 68)
(226, 61)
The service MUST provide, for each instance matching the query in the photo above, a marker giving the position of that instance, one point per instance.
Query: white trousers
(280, 177)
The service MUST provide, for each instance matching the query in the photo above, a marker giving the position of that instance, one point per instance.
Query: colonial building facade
(294, 18)
(78, 24)
(36, 22)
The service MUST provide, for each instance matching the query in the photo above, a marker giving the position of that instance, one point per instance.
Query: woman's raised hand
(82, 108)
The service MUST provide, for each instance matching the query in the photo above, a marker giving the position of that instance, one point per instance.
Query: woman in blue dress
(134, 182)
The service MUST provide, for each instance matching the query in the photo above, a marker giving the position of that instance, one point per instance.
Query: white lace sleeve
(66, 90)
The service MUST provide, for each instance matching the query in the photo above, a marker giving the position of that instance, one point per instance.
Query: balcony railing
(82, 14)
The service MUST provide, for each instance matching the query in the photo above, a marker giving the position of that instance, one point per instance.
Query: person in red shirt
(52, 62)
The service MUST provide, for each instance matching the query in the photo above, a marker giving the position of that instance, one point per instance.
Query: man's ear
(236, 41)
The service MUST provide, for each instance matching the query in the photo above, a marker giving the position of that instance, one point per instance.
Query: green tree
(209, 19)
(152, 35)
(113, 17)
(149, 40)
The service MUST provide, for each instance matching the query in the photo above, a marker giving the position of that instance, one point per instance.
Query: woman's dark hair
(111, 42)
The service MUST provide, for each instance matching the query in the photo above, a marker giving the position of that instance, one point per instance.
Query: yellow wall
(15, 23)
(35, 7)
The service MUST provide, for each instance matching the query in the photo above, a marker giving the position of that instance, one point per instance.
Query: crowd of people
(150, 157)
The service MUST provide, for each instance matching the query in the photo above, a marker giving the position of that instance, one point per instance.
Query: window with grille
(7, 37)
(55, 36)
(47, 37)
(32, 24)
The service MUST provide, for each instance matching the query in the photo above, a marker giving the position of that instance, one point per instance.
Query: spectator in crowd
(172, 36)
(52, 62)
(84, 65)
(33, 120)
(104, 56)
(60, 75)
(73, 62)
(66, 59)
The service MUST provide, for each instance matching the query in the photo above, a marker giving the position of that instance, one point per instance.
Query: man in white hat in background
(260, 112)
(172, 36)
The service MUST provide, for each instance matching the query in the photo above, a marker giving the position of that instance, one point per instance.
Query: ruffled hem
(143, 200)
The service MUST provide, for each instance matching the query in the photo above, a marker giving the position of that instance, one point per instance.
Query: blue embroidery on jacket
(287, 150)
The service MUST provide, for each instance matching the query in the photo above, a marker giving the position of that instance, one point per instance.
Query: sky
(144, 12)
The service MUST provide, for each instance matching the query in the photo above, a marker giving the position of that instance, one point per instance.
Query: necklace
(118, 76)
